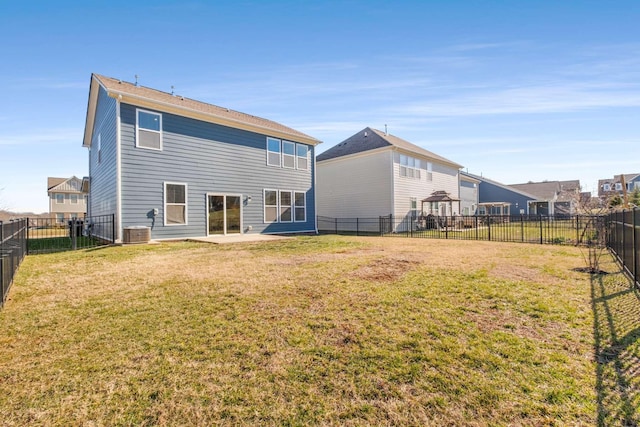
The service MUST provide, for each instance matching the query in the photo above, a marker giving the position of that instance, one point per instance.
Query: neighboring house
(495, 198)
(469, 196)
(67, 199)
(373, 174)
(186, 168)
(608, 188)
(552, 197)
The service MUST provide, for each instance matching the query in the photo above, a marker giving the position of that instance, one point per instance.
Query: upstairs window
(273, 152)
(606, 187)
(410, 167)
(288, 155)
(618, 186)
(302, 151)
(74, 199)
(149, 130)
(175, 204)
(59, 199)
(430, 172)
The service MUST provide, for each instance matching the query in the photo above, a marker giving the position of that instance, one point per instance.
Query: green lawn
(319, 331)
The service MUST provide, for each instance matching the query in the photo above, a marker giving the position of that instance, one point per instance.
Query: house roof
(440, 196)
(167, 102)
(64, 185)
(548, 190)
(52, 182)
(499, 184)
(371, 139)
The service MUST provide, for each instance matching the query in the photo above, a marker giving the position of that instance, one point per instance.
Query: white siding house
(373, 174)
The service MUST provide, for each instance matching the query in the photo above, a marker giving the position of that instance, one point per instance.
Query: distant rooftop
(370, 139)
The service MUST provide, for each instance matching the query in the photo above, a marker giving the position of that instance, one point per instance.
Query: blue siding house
(186, 168)
(495, 198)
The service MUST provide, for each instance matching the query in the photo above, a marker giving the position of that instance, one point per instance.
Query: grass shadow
(616, 313)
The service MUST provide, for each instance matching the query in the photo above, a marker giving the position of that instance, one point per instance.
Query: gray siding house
(185, 168)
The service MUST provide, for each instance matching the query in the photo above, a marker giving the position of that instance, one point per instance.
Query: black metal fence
(42, 235)
(13, 248)
(46, 235)
(542, 229)
(623, 239)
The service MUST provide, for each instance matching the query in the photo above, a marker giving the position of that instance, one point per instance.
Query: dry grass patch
(315, 330)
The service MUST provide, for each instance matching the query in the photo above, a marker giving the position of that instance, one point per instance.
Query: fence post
(113, 228)
(489, 226)
(521, 228)
(357, 226)
(635, 245)
(1, 264)
(476, 217)
(577, 230)
(541, 230)
(624, 234)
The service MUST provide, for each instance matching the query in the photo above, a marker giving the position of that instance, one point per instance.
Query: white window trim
(304, 193)
(138, 110)
(300, 157)
(186, 203)
(71, 198)
(293, 156)
(279, 165)
(58, 202)
(410, 172)
(264, 206)
(290, 206)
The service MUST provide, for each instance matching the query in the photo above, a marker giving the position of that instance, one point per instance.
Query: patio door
(224, 214)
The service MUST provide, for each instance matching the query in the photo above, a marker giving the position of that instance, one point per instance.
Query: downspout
(118, 173)
(315, 196)
(393, 183)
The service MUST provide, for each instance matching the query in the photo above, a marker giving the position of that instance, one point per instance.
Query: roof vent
(136, 76)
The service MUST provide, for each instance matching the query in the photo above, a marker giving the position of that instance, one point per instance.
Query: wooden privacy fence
(623, 239)
(541, 229)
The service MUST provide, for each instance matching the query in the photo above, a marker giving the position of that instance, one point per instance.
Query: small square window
(59, 198)
(73, 198)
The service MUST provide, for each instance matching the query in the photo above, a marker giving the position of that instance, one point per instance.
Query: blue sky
(515, 90)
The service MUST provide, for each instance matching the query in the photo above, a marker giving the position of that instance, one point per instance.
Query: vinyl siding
(355, 187)
(468, 196)
(488, 192)
(102, 193)
(209, 158)
(443, 178)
